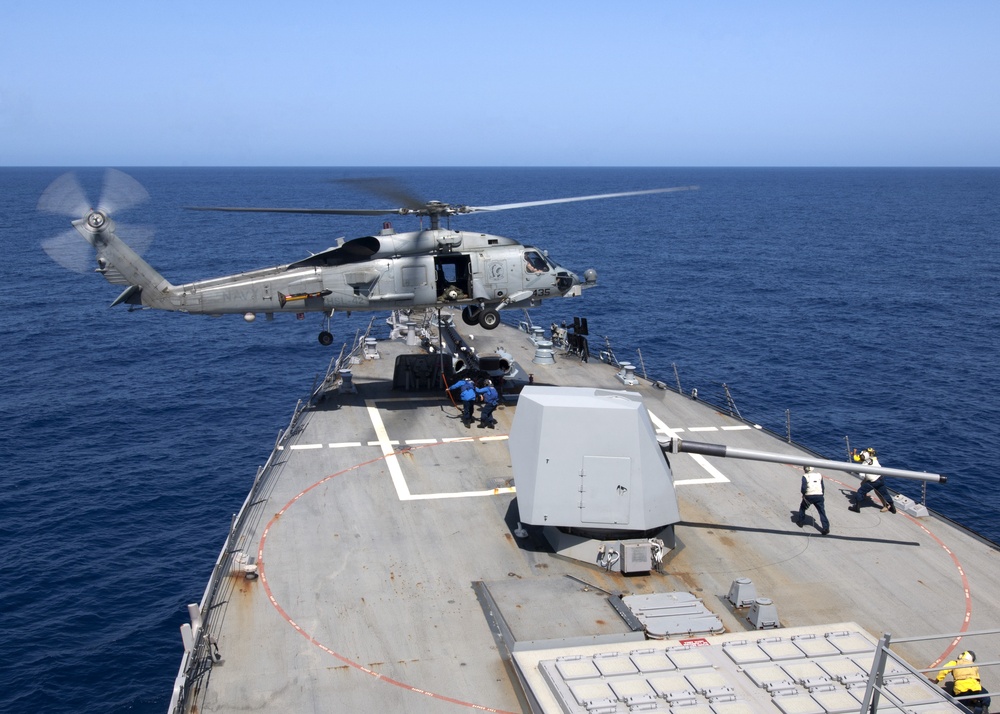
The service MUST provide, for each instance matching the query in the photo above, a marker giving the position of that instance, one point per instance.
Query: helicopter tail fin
(120, 264)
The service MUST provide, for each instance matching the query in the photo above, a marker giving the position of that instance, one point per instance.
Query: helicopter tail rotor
(120, 193)
(94, 228)
(65, 197)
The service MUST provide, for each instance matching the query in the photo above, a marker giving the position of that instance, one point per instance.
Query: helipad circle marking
(958, 566)
(312, 640)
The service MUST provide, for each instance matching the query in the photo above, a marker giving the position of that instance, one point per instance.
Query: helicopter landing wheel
(325, 338)
(489, 318)
(470, 314)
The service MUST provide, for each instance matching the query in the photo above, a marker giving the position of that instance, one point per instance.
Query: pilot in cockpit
(535, 263)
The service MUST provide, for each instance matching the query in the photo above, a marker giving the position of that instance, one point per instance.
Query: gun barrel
(679, 446)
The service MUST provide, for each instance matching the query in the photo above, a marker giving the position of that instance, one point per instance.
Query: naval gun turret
(591, 472)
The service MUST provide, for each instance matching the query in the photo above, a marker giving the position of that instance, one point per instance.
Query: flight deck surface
(394, 574)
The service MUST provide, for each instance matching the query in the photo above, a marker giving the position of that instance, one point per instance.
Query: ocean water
(857, 303)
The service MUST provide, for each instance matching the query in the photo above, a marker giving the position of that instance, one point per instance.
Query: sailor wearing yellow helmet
(965, 680)
(871, 482)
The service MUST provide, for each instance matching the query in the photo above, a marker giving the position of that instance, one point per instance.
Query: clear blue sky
(511, 83)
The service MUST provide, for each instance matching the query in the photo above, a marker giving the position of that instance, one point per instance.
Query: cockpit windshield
(534, 262)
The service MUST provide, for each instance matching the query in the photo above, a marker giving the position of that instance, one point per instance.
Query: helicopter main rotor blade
(386, 188)
(528, 204)
(320, 211)
(430, 208)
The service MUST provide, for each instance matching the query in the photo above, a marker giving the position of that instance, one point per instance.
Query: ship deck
(390, 565)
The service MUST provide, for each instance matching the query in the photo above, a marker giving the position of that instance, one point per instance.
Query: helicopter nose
(566, 281)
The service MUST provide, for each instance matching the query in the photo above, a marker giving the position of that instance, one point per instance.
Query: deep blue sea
(858, 303)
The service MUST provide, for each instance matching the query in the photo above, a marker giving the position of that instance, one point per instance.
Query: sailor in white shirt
(812, 495)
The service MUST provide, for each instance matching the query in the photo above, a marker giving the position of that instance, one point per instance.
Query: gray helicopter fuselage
(437, 267)
(421, 268)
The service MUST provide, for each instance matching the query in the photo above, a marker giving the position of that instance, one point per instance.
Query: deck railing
(201, 650)
(200, 636)
(879, 685)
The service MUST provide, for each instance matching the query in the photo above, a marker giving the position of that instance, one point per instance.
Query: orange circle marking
(961, 571)
(346, 660)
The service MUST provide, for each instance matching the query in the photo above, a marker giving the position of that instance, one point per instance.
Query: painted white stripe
(344, 444)
(460, 494)
(453, 439)
(703, 428)
(421, 441)
(494, 438)
(716, 475)
(736, 428)
(391, 462)
(295, 447)
(396, 471)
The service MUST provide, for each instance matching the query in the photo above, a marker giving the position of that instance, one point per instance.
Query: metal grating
(799, 673)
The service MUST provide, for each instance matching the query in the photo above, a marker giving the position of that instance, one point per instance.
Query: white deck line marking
(461, 494)
(717, 476)
(396, 471)
(421, 441)
(703, 428)
(305, 446)
(736, 428)
(453, 439)
(503, 437)
(344, 444)
(402, 491)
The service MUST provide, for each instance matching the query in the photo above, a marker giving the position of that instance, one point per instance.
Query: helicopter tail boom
(121, 265)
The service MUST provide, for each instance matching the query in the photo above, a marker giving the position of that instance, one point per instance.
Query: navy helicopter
(428, 268)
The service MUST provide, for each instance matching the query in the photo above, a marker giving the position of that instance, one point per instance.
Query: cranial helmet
(488, 382)
(872, 451)
(808, 469)
(969, 654)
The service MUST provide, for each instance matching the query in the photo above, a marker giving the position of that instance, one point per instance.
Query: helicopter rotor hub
(96, 221)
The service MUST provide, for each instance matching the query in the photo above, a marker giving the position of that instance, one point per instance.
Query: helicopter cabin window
(534, 262)
(414, 276)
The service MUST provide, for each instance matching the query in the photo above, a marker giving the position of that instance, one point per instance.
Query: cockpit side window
(534, 262)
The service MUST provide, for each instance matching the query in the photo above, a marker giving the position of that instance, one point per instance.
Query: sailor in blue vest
(491, 398)
(468, 397)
